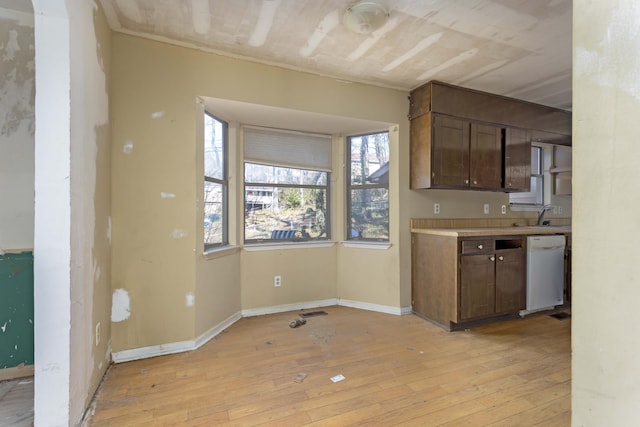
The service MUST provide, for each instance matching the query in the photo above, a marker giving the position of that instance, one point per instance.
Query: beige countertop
(495, 231)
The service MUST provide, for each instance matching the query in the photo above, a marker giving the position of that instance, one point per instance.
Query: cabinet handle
(492, 258)
(480, 247)
(509, 184)
(466, 181)
(475, 182)
(501, 258)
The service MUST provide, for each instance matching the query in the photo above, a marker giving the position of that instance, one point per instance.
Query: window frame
(544, 151)
(224, 182)
(326, 188)
(349, 187)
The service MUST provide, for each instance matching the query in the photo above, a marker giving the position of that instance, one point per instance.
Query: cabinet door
(486, 156)
(450, 150)
(420, 129)
(477, 286)
(517, 160)
(510, 281)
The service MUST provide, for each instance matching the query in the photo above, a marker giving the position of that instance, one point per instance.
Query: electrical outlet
(97, 334)
(277, 281)
(436, 208)
(503, 209)
(560, 210)
(486, 208)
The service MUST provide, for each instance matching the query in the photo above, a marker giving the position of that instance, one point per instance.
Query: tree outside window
(215, 182)
(368, 187)
(283, 203)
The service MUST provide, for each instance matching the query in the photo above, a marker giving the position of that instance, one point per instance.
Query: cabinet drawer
(479, 246)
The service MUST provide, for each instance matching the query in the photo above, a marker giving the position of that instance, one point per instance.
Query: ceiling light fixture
(366, 16)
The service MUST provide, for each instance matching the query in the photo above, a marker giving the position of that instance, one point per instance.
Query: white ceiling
(516, 48)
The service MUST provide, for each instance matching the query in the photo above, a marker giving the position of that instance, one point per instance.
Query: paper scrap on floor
(337, 378)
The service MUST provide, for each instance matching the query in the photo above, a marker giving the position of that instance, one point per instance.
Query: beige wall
(151, 156)
(90, 203)
(307, 275)
(157, 242)
(72, 205)
(606, 343)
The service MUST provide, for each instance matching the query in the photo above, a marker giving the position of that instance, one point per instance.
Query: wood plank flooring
(16, 402)
(399, 370)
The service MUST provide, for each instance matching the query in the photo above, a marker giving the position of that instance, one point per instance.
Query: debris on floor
(337, 378)
(560, 315)
(300, 377)
(297, 322)
(314, 313)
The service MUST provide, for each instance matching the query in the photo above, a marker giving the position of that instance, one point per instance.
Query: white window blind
(287, 148)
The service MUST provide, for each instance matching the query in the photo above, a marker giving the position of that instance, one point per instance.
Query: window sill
(366, 245)
(220, 252)
(255, 247)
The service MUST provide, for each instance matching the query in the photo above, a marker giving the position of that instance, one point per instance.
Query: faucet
(541, 213)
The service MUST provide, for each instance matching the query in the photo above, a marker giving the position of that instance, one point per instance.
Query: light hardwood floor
(399, 370)
(16, 402)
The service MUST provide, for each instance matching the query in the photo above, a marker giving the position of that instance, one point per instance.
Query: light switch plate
(486, 208)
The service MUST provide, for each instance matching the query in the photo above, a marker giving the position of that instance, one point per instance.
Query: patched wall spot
(179, 233)
(120, 306)
(190, 299)
(127, 148)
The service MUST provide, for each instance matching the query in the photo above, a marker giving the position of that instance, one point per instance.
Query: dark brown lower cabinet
(511, 273)
(456, 281)
(477, 286)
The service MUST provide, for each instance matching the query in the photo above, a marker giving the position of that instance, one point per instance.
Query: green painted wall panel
(16, 309)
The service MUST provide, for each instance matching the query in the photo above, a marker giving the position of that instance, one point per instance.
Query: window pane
(533, 197)
(213, 213)
(536, 160)
(536, 190)
(370, 158)
(213, 148)
(268, 210)
(369, 214)
(254, 173)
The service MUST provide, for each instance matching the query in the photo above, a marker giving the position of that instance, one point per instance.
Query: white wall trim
(358, 244)
(52, 269)
(289, 307)
(256, 247)
(175, 347)
(19, 371)
(217, 330)
(399, 311)
(182, 346)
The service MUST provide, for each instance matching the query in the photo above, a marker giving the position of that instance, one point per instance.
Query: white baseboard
(182, 346)
(399, 311)
(216, 330)
(175, 347)
(289, 307)
(19, 371)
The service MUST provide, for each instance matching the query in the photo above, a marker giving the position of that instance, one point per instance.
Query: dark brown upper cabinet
(461, 154)
(517, 160)
(466, 139)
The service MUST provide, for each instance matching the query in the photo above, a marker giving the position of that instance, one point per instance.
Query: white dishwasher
(545, 272)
